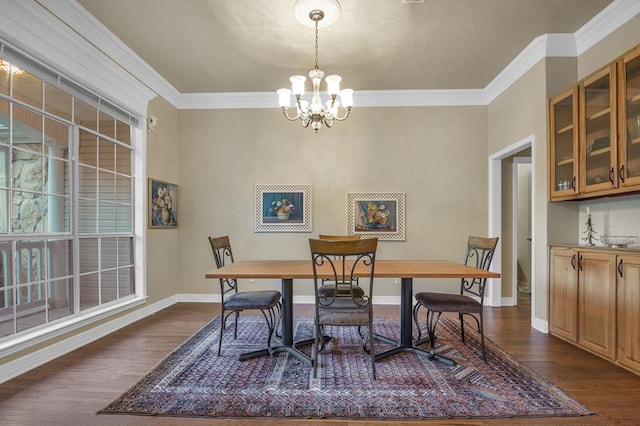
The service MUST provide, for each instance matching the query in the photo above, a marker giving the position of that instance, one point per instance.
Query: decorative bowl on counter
(618, 240)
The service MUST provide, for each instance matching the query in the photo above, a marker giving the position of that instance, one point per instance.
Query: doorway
(521, 220)
(495, 221)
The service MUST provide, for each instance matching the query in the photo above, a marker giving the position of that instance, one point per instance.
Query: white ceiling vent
(412, 1)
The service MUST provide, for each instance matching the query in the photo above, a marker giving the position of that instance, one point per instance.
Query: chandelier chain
(316, 44)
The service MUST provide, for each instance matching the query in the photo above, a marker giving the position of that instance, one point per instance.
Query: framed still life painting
(376, 214)
(282, 208)
(163, 204)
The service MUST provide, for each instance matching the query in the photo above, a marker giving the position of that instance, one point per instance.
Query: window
(66, 203)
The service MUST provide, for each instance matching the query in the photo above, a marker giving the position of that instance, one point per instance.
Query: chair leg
(416, 308)
(373, 352)
(279, 315)
(223, 326)
(432, 323)
(235, 327)
(270, 317)
(480, 327)
(481, 330)
(461, 326)
(316, 348)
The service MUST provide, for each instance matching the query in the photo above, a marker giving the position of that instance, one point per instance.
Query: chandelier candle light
(315, 113)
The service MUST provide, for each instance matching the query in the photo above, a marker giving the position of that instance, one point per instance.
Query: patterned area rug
(193, 381)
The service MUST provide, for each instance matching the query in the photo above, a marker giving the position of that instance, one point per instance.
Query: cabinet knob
(621, 174)
(573, 261)
(611, 175)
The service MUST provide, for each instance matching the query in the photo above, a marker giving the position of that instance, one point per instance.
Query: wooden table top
(384, 268)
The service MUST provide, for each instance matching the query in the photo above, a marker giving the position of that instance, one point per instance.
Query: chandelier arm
(344, 117)
(285, 111)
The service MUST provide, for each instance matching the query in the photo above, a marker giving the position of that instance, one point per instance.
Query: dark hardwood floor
(69, 390)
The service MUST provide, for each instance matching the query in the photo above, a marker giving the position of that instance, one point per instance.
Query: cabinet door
(629, 123)
(563, 293)
(563, 145)
(597, 303)
(598, 147)
(629, 311)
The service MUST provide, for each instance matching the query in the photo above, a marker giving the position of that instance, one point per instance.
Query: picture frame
(282, 208)
(376, 214)
(163, 204)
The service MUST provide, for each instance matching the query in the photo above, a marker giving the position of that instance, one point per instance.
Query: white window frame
(28, 27)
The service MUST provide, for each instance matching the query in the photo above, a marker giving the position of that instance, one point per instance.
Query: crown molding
(612, 17)
(31, 27)
(94, 32)
(547, 45)
(98, 42)
(366, 98)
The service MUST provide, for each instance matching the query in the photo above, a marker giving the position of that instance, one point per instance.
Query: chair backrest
(339, 237)
(222, 254)
(340, 259)
(479, 254)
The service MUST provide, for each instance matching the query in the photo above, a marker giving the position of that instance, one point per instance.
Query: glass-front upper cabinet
(563, 144)
(629, 167)
(598, 147)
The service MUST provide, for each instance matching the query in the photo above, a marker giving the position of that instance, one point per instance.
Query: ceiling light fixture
(314, 112)
(10, 68)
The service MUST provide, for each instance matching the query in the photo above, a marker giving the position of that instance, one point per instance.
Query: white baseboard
(540, 325)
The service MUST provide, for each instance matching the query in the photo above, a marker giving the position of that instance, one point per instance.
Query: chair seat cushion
(263, 299)
(327, 290)
(343, 311)
(443, 302)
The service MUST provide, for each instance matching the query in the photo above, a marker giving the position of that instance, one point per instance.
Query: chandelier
(314, 113)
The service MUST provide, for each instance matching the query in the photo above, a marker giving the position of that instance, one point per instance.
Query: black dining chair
(338, 260)
(343, 289)
(233, 301)
(468, 302)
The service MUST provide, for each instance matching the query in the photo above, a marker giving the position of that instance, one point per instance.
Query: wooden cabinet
(563, 293)
(594, 301)
(629, 123)
(598, 147)
(563, 142)
(629, 311)
(594, 134)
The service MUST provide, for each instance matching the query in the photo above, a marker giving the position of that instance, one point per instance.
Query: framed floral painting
(163, 204)
(376, 214)
(282, 208)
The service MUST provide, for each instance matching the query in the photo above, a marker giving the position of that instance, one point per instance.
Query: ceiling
(205, 46)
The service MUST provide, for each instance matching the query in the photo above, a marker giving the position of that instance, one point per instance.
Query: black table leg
(287, 344)
(406, 329)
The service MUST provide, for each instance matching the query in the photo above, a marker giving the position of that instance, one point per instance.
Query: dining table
(407, 270)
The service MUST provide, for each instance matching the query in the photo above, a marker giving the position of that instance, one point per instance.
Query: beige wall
(431, 154)
(163, 279)
(516, 114)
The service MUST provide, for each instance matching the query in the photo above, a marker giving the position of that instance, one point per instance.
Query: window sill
(12, 344)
